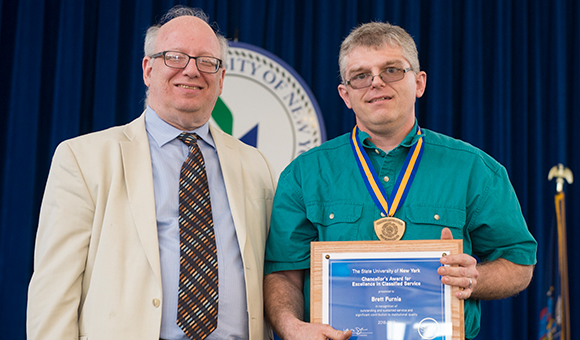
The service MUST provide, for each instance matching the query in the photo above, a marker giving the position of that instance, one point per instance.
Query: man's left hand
(460, 271)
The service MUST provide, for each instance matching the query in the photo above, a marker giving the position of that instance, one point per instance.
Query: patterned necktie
(197, 307)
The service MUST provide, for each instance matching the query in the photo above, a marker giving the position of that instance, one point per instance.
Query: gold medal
(389, 228)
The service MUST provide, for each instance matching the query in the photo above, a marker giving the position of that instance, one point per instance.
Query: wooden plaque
(379, 253)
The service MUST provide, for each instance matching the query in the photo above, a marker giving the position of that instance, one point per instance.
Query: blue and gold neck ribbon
(404, 180)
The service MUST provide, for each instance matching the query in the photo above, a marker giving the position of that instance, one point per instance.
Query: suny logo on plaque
(266, 104)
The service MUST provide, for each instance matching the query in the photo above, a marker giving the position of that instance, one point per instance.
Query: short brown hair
(375, 35)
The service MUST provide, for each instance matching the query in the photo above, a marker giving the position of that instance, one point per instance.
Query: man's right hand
(300, 330)
(284, 306)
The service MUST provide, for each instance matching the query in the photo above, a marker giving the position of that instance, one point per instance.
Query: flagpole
(560, 173)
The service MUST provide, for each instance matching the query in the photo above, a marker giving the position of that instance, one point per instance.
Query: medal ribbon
(372, 182)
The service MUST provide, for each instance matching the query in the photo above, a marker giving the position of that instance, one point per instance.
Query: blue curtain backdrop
(502, 75)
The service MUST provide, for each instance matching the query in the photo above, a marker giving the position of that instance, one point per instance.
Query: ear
(421, 82)
(343, 92)
(147, 67)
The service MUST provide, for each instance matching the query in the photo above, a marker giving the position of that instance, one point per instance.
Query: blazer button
(156, 303)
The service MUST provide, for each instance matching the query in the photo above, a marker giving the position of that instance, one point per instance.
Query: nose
(191, 69)
(375, 82)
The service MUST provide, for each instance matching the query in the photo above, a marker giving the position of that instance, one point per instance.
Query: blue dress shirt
(167, 155)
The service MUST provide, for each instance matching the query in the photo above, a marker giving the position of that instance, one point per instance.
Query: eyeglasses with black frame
(389, 75)
(180, 60)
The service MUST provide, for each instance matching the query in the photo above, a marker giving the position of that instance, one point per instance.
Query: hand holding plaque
(375, 287)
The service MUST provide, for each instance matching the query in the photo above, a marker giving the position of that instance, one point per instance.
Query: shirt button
(386, 178)
(436, 217)
(377, 151)
(331, 216)
(156, 303)
(383, 214)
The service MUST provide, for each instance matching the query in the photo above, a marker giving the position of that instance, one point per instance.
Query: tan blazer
(97, 272)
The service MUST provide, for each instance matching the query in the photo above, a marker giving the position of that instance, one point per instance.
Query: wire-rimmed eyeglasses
(389, 75)
(180, 60)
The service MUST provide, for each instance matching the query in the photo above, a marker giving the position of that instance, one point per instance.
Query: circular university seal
(266, 104)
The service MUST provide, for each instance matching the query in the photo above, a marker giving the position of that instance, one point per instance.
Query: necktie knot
(190, 139)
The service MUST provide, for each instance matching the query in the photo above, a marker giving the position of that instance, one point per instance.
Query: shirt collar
(163, 132)
(411, 137)
(407, 142)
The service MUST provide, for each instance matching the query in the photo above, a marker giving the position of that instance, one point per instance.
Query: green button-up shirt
(321, 196)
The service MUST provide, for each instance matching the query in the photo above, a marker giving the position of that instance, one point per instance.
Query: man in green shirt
(439, 186)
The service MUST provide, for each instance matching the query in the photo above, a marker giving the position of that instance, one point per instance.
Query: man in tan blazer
(106, 263)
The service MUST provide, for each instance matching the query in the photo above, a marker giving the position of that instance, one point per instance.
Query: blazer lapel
(139, 180)
(233, 178)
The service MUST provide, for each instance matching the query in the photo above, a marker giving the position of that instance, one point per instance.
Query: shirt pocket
(438, 217)
(335, 221)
